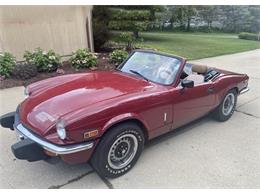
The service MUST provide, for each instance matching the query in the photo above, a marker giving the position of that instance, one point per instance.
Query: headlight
(61, 131)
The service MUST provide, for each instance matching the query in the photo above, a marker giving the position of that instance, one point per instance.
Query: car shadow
(176, 132)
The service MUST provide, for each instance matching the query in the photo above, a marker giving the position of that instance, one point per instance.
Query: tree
(190, 12)
(182, 14)
(236, 18)
(255, 19)
(101, 17)
(165, 17)
(132, 18)
(208, 14)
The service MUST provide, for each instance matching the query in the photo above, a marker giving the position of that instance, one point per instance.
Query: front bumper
(32, 147)
(28, 150)
(24, 133)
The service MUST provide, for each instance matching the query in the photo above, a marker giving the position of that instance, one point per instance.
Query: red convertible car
(106, 117)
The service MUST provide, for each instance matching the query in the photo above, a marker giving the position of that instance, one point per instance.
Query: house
(61, 28)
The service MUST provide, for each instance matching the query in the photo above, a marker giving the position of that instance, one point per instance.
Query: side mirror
(187, 83)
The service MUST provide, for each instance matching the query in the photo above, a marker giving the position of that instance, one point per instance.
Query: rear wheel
(118, 150)
(227, 107)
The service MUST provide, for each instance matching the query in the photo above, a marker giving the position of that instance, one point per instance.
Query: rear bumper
(244, 90)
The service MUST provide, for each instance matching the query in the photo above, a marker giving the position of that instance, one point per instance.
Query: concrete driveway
(204, 154)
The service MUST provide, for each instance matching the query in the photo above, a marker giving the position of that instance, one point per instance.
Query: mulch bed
(103, 64)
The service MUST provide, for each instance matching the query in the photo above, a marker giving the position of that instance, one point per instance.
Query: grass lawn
(197, 45)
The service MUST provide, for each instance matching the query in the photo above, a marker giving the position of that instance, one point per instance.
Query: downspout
(90, 30)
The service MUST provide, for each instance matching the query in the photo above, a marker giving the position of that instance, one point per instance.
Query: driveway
(204, 154)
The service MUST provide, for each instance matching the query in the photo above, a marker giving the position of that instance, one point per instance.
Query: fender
(124, 117)
(230, 82)
(225, 91)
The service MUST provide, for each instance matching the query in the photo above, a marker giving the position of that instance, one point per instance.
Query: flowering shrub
(7, 64)
(44, 61)
(82, 58)
(118, 56)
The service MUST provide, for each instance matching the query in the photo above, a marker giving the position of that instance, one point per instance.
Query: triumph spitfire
(106, 117)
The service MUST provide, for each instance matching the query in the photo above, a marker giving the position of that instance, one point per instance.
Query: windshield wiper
(138, 73)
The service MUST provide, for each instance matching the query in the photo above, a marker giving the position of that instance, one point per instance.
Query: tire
(118, 150)
(223, 112)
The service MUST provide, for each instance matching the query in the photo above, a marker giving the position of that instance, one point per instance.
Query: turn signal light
(90, 134)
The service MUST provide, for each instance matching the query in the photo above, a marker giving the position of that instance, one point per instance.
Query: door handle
(210, 89)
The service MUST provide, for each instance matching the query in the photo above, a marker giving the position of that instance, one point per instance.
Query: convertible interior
(198, 73)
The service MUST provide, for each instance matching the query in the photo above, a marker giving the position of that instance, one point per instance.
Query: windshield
(154, 67)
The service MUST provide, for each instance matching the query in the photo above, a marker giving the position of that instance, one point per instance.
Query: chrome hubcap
(228, 104)
(122, 151)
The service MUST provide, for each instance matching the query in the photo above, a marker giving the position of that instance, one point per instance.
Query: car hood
(54, 98)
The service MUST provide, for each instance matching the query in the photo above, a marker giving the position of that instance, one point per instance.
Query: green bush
(7, 64)
(128, 39)
(249, 36)
(44, 61)
(82, 58)
(110, 46)
(24, 71)
(118, 56)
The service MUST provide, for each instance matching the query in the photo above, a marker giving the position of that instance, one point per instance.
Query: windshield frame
(176, 79)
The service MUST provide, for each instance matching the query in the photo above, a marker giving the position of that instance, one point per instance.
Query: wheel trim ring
(226, 109)
(131, 155)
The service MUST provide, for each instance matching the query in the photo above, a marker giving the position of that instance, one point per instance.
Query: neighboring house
(61, 28)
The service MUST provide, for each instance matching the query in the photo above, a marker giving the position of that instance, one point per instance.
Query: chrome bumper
(24, 133)
(244, 90)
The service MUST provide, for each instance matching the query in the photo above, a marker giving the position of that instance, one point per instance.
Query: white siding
(61, 28)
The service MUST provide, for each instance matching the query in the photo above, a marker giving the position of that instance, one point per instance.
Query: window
(154, 67)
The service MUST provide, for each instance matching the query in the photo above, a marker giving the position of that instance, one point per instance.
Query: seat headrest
(201, 69)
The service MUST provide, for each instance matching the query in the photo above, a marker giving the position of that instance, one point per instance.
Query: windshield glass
(154, 67)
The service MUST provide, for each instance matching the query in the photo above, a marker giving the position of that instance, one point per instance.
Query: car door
(192, 103)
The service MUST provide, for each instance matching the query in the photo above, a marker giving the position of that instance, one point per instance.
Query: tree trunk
(136, 34)
(209, 25)
(182, 25)
(188, 25)
(171, 25)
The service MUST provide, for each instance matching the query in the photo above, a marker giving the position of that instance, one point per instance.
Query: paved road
(204, 154)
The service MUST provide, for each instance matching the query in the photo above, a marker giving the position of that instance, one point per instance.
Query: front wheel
(227, 107)
(118, 150)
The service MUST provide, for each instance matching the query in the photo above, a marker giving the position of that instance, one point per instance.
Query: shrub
(82, 58)
(110, 46)
(25, 71)
(44, 61)
(7, 64)
(118, 56)
(128, 39)
(249, 36)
